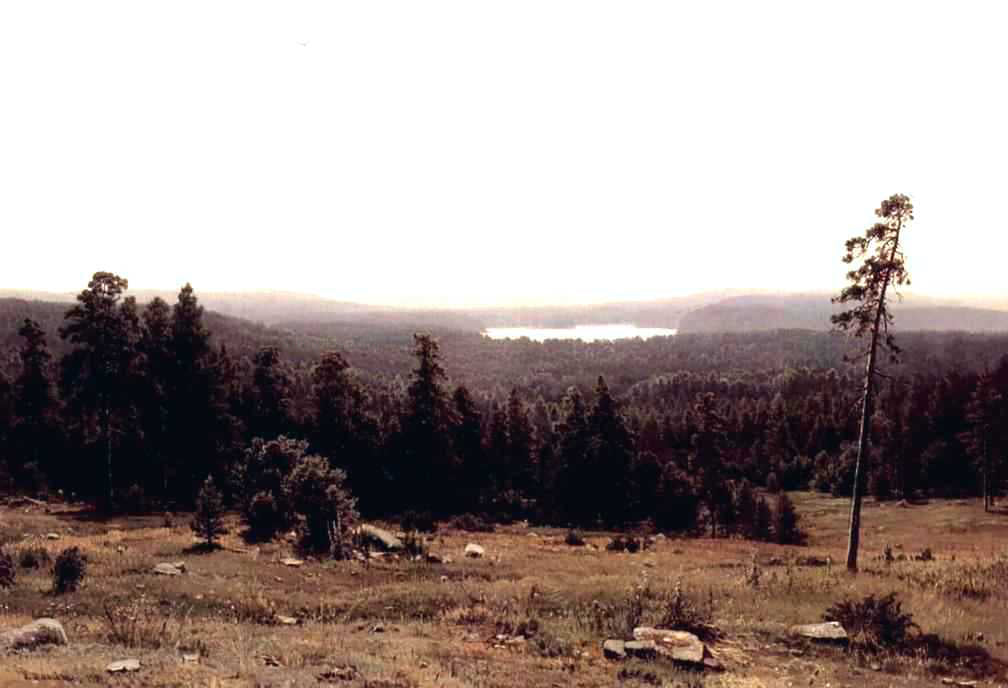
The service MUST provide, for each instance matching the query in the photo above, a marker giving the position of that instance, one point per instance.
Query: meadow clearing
(533, 611)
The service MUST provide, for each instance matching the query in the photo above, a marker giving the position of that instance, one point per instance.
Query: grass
(532, 612)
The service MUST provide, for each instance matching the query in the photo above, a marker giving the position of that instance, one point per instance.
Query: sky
(491, 153)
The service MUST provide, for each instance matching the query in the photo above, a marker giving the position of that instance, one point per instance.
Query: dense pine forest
(135, 405)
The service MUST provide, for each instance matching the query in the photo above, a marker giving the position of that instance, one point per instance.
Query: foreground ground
(399, 623)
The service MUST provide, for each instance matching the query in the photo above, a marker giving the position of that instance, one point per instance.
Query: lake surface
(587, 333)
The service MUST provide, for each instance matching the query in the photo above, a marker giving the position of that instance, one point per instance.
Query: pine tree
(35, 425)
(103, 328)
(882, 265)
(208, 521)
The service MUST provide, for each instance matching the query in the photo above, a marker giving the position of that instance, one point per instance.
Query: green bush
(69, 570)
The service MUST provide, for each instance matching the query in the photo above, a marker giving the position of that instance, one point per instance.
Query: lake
(587, 333)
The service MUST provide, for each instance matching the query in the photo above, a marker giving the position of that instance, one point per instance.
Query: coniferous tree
(103, 329)
(611, 458)
(881, 265)
(467, 439)
(269, 398)
(427, 456)
(35, 424)
(985, 414)
(208, 521)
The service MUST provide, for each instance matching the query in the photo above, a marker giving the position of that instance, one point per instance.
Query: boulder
(474, 551)
(286, 620)
(38, 632)
(381, 538)
(677, 645)
(166, 569)
(613, 649)
(291, 561)
(827, 632)
(52, 536)
(123, 665)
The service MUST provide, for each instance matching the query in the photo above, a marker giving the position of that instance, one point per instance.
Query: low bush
(874, 623)
(69, 570)
(624, 543)
(471, 523)
(34, 557)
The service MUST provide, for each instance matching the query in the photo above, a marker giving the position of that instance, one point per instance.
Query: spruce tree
(208, 521)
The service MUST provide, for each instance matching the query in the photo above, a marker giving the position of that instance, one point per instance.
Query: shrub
(208, 521)
(880, 485)
(414, 544)
(263, 516)
(7, 570)
(328, 510)
(34, 557)
(472, 523)
(574, 539)
(69, 570)
(259, 480)
(624, 543)
(874, 623)
(420, 521)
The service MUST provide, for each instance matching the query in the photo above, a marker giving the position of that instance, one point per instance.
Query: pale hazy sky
(470, 152)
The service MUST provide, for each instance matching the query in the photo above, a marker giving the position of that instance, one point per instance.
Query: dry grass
(405, 623)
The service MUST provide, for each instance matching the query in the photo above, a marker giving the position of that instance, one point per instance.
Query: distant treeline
(136, 405)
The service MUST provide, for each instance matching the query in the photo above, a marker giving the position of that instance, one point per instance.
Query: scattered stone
(190, 658)
(270, 660)
(949, 681)
(444, 579)
(875, 666)
(381, 537)
(378, 628)
(52, 536)
(291, 561)
(614, 649)
(38, 632)
(166, 569)
(123, 665)
(811, 560)
(287, 620)
(474, 551)
(434, 558)
(829, 632)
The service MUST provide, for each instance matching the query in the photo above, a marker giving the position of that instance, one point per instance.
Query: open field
(399, 622)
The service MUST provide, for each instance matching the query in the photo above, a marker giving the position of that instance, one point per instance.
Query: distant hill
(812, 312)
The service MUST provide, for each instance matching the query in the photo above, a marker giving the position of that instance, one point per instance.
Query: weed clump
(472, 523)
(874, 623)
(624, 543)
(69, 570)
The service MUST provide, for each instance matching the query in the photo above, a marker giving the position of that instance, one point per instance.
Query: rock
(474, 551)
(52, 536)
(829, 632)
(123, 665)
(166, 569)
(378, 628)
(678, 646)
(286, 620)
(291, 561)
(38, 632)
(641, 649)
(190, 658)
(434, 558)
(444, 579)
(381, 537)
(614, 649)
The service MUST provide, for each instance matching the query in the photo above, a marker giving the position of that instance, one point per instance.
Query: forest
(134, 406)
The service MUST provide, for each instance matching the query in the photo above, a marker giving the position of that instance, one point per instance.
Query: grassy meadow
(533, 612)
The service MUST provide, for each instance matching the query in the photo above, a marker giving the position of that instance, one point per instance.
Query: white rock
(290, 561)
(123, 665)
(166, 569)
(474, 551)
